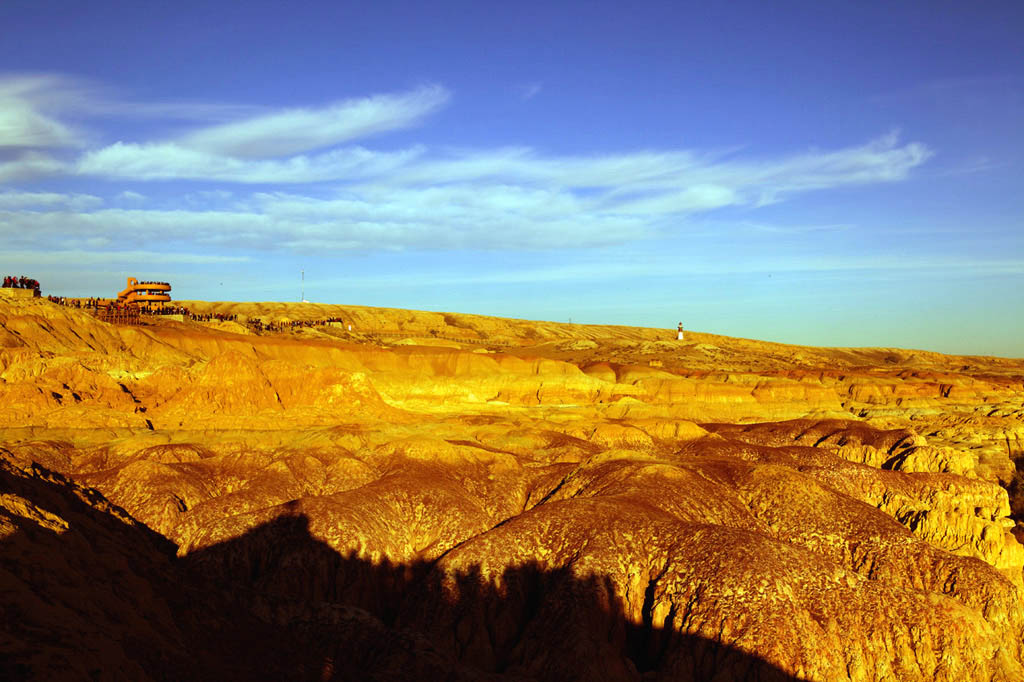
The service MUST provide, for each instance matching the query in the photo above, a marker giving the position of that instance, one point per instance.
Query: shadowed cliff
(89, 593)
(530, 623)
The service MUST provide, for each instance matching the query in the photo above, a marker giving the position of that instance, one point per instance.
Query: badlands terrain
(441, 496)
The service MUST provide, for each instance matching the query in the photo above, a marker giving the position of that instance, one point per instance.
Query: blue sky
(825, 173)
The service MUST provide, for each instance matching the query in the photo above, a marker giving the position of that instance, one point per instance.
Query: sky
(840, 174)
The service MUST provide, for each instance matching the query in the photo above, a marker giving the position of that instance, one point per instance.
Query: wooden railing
(129, 316)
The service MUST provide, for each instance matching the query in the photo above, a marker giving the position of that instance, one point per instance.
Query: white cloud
(127, 229)
(21, 126)
(425, 220)
(503, 198)
(676, 181)
(496, 216)
(512, 199)
(168, 161)
(59, 94)
(524, 165)
(495, 196)
(48, 200)
(34, 109)
(293, 131)
(670, 266)
(28, 104)
(29, 165)
(880, 160)
(83, 258)
(207, 112)
(521, 190)
(694, 199)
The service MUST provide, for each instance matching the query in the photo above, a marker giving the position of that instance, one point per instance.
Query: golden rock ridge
(444, 496)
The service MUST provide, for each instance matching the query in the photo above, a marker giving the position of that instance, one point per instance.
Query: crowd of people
(80, 303)
(258, 325)
(322, 322)
(212, 317)
(114, 304)
(114, 307)
(169, 310)
(23, 282)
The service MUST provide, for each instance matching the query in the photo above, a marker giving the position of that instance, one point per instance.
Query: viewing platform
(148, 295)
(10, 293)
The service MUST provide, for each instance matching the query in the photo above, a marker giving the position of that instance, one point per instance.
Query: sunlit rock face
(441, 496)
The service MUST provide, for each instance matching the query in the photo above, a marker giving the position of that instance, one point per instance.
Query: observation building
(147, 295)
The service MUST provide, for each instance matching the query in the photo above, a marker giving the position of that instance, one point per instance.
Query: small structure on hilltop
(679, 336)
(19, 287)
(146, 295)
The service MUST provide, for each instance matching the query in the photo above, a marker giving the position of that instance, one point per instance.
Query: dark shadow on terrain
(103, 599)
(1015, 490)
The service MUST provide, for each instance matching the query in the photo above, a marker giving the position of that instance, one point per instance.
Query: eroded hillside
(443, 496)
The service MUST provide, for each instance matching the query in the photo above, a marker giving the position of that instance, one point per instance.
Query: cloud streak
(86, 258)
(514, 200)
(48, 200)
(29, 166)
(528, 91)
(293, 131)
(615, 270)
(170, 161)
(28, 113)
(342, 197)
(497, 187)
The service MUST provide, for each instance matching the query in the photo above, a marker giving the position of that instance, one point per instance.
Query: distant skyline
(842, 174)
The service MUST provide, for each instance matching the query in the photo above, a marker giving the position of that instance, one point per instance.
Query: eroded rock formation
(434, 496)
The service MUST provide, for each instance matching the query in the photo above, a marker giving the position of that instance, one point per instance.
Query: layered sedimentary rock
(442, 496)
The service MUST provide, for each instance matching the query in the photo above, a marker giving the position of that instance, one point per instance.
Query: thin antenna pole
(303, 297)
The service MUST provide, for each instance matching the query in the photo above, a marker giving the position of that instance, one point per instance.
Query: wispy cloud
(55, 95)
(128, 228)
(356, 197)
(883, 159)
(506, 197)
(510, 199)
(169, 161)
(30, 165)
(293, 131)
(424, 221)
(610, 269)
(771, 228)
(970, 166)
(84, 258)
(28, 113)
(48, 200)
(528, 91)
